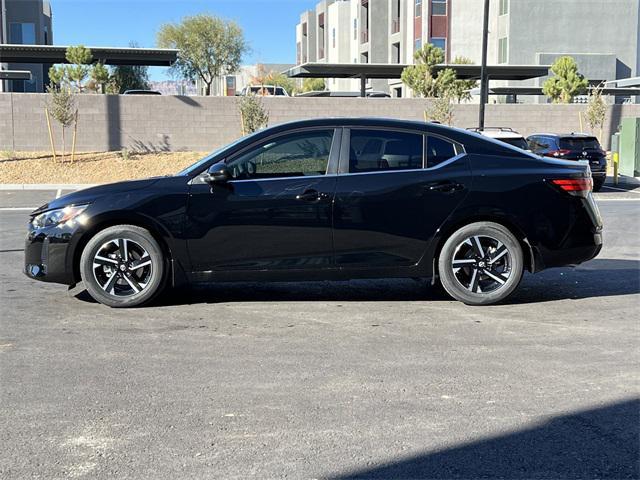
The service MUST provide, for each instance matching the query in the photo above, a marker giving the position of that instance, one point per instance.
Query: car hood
(90, 194)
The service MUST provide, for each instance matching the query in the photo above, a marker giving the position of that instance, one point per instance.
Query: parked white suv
(504, 134)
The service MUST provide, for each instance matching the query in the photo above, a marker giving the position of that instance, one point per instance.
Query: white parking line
(621, 189)
(17, 209)
(617, 199)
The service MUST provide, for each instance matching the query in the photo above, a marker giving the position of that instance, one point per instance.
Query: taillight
(559, 153)
(579, 187)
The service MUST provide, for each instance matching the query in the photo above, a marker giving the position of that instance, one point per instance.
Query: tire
(497, 274)
(598, 184)
(131, 255)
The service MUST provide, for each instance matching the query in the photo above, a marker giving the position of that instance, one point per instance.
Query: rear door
(391, 198)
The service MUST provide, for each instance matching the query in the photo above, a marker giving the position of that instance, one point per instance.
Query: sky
(268, 25)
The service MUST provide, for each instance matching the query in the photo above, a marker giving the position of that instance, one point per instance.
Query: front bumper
(48, 256)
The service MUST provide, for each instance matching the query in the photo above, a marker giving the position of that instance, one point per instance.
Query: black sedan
(326, 199)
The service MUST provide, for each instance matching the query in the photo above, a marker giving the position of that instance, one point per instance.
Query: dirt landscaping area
(102, 167)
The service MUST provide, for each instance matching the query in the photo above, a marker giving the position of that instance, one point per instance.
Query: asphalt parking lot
(363, 379)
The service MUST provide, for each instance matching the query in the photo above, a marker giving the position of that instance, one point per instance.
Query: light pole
(484, 79)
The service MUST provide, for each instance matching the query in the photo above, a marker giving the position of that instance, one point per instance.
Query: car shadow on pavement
(598, 278)
(601, 443)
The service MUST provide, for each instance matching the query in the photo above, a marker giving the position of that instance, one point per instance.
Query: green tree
(460, 90)
(313, 84)
(440, 110)
(566, 83)
(208, 47)
(596, 112)
(61, 105)
(74, 75)
(253, 114)
(130, 77)
(422, 78)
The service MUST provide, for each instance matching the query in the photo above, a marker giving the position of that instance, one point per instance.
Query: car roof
(473, 142)
(500, 134)
(563, 135)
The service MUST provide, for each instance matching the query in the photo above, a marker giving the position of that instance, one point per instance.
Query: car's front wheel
(123, 266)
(481, 263)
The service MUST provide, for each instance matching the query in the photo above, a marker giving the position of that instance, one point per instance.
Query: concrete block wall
(172, 123)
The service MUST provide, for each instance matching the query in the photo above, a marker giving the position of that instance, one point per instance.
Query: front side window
(293, 155)
(439, 150)
(376, 150)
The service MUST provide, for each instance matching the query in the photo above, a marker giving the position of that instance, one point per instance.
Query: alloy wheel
(482, 264)
(122, 267)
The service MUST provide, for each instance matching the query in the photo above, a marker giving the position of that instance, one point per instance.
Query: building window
(418, 9)
(504, 7)
(438, 7)
(304, 29)
(22, 33)
(395, 53)
(418, 44)
(355, 29)
(321, 36)
(333, 37)
(364, 57)
(395, 18)
(503, 45)
(439, 42)
(364, 21)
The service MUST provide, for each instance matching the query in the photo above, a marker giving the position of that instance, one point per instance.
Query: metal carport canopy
(365, 71)
(45, 54)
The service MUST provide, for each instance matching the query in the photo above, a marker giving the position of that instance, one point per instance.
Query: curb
(44, 186)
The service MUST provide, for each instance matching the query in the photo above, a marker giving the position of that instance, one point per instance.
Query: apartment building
(26, 22)
(603, 36)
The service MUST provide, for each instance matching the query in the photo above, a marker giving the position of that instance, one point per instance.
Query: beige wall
(112, 122)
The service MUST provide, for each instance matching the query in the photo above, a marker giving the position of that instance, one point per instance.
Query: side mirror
(218, 174)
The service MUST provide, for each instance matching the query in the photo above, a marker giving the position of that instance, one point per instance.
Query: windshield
(579, 143)
(516, 142)
(191, 169)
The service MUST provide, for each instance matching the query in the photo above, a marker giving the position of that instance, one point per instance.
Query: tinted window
(541, 144)
(373, 150)
(439, 150)
(516, 142)
(577, 143)
(295, 155)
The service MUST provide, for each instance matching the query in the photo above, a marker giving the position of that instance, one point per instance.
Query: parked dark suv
(326, 199)
(573, 146)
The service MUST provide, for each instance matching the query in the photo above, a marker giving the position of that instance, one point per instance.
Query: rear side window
(516, 142)
(439, 150)
(374, 150)
(578, 143)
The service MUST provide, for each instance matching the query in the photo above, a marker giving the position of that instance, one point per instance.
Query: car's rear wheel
(481, 263)
(123, 266)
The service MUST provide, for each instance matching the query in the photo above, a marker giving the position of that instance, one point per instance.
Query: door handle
(445, 187)
(312, 196)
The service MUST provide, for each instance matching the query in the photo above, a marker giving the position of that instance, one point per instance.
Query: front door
(388, 206)
(275, 212)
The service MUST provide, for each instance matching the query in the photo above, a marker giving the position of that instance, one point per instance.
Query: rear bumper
(581, 242)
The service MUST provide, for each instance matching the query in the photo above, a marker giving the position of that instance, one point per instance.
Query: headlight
(56, 217)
